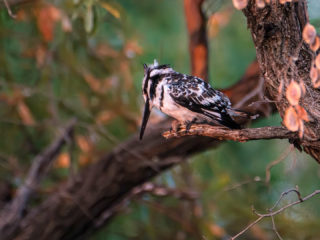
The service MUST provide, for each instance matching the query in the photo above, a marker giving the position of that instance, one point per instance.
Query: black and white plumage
(186, 98)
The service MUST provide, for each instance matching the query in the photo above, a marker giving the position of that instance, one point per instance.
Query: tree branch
(198, 44)
(273, 213)
(238, 135)
(12, 213)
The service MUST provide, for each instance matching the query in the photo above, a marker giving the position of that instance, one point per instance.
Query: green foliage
(86, 62)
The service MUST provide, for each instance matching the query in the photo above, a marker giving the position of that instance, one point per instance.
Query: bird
(186, 98)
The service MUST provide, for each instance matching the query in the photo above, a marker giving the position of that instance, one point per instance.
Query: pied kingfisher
(186, 98)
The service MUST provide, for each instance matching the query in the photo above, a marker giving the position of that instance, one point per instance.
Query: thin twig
(9, 9)
(275, 228)
(282, 157)
(240, 184)
(271, 213)
(252, 94)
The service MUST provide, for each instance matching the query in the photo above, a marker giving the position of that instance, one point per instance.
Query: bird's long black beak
(145, 118)
(145, 66)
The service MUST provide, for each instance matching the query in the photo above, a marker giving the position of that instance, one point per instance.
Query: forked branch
(272, 213)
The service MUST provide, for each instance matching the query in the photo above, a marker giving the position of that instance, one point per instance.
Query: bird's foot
(189, 124)
(175, 126)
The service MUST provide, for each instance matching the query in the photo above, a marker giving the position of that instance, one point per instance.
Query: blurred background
(83, 59)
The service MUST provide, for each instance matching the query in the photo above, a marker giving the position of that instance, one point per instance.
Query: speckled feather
(183, 97)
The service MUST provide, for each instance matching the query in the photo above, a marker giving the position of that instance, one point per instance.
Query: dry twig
(272, 213)
(9, 9)
(281, 158)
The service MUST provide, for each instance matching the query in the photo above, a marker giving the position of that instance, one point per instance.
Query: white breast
(170, 107)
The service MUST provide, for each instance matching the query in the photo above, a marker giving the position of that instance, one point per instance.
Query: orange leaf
(316, 84)
(111, 9)
(302, 113)
(291, 120)
(93, 82)
(315, 45)
(216, 230)
(303, 88)
(240, 4)
(301, 129)
(285, 1)
(314, 74)
(309, 33)
(280, 87)
(47, 16)
(260, 3)
(84, 144)
(293, 93)
(104, 117)
(63, 160)
(317, 61)
(84, 159)
(25, 113)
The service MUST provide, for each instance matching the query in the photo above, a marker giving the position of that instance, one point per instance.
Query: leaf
(316, 84)
(260, 3)
(93, 82)
(104, 117)
(314, 74)
(317, 61)
(63, 160)
(240, 4)
(302, 87)
(309, 33)
(301, 129)
(84, 159)
(293, 93)
(216, 230)
(25, 113)
(315, 45)
(112, 10)
(284, 1)
(291, 120)
(47, 16)
(280, 87)
(84, 144)
(302, 113)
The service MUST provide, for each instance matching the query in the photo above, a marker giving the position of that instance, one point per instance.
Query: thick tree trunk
(283, 57)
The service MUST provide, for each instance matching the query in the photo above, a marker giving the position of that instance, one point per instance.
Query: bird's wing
(198, 96)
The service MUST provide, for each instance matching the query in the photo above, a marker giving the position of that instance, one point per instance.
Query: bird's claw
(188, 126)
(175, 126)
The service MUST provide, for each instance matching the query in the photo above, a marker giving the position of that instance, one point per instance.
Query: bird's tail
(222, 119)
(236, 113)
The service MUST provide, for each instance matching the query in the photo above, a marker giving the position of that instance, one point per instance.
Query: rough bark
(89, 200)
(283, 56)
(238, 135)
